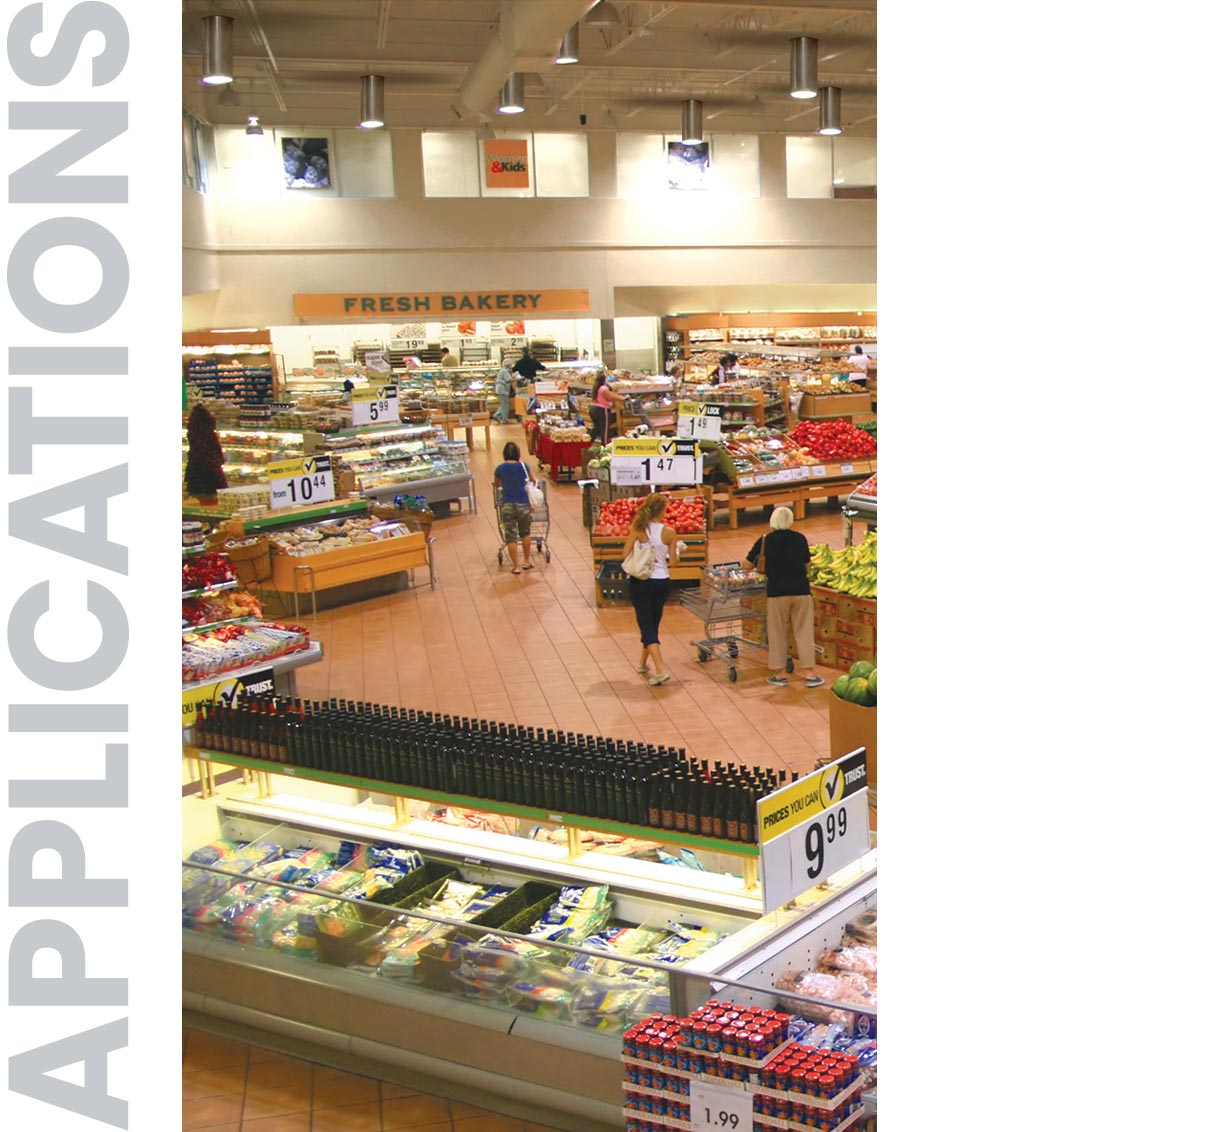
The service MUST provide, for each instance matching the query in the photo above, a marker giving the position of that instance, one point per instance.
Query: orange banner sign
(505, 164)
(437, 303)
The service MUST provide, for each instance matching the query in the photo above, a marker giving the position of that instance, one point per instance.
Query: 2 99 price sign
(298, 483)
(375, 406)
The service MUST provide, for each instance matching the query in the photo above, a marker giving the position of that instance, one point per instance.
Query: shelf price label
(719, 1108)
(812, 828)
(375, 406)
(465, 422)
(655, 461)
(226, 692)
(699, 419)
(295, 483)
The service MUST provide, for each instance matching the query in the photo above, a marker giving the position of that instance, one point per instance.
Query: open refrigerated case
(446, 979)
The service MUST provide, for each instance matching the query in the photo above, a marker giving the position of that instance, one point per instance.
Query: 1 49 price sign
(375, 406)
(297, 483)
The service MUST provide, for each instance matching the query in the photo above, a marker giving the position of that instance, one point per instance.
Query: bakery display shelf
(375, 430)
(574, 822)
(216, 588)
(286, 662)
(243, 620)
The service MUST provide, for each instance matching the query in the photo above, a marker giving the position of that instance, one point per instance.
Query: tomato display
(834, 440)
(685, 516)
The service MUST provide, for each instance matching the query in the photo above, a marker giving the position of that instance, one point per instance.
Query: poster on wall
(505, 163)
(307, 164)
(688, 166)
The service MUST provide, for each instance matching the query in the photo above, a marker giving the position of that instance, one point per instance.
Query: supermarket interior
(455, 856)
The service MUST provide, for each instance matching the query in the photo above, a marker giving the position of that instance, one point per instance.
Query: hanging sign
(550, 387)
(296, 483)
(813, 827)
(375, 406)
(505, 164)
(226, 692)
(376, 361)
(370, 304)
(702, 421)
(654, 461)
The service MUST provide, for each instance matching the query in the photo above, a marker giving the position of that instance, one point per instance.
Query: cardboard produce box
(852, 726)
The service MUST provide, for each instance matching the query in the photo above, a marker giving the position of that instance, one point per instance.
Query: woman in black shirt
(782, 556)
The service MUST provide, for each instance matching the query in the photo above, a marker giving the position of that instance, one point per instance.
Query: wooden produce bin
(822, 406)
(794, 487)
(852, 726)
(309, 573)
(607, 551)
(845, 627)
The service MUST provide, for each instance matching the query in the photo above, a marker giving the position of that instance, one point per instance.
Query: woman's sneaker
(777, 681)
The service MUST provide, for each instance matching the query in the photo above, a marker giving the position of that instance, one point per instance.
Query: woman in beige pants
(782, 556)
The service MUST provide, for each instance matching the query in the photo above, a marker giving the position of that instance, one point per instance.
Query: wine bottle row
(583, 775)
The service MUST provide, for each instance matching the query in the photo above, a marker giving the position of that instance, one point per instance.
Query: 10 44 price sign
(297, 483)
(654, 461)
(375, 406)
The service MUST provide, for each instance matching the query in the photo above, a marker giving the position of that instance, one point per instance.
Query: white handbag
(535, 497)
(640, 561)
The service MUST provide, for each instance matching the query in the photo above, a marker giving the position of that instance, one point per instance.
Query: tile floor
(535, 650)
(229, 1086)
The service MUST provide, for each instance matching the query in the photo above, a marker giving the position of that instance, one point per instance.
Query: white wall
(637, 344)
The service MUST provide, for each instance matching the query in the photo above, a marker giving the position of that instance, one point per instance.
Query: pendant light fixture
(510, 98)
(254, 129)
(603, 15)
(568, 52)
(218, 50)
(803, 67)
(690, 121)
(830, 110)
(371, 102)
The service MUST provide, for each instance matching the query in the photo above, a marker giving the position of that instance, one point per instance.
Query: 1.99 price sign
(719, 1108)
(299, 483)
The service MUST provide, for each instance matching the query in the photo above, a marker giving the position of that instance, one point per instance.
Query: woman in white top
(858, 365)
(649, 595)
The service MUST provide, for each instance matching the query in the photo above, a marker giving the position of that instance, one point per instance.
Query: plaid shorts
(515, 521)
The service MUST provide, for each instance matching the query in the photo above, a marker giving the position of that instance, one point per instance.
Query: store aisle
(229, 1086)
(535, 650)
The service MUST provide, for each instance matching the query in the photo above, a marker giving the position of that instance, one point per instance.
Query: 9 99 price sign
(375, 406)
(299, 483)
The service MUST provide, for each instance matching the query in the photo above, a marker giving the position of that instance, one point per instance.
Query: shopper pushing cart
(521, 502)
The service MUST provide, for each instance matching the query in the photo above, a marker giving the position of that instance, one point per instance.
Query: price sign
(818, 470)
(226, 692)
(847, 469)
(551, 387)
(719, 1108)
(376, 361)
(295, 483)
(655, 461)
(375, 406)
(700, 420)
(465, 422)
(813, 827)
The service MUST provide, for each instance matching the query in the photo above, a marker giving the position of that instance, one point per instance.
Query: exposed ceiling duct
(527, 36)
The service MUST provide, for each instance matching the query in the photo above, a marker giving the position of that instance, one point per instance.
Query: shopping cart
(539, 524)
(731, 603)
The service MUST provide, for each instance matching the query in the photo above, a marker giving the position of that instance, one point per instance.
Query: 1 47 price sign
(375, 406)
(296, 483)
(655, 461)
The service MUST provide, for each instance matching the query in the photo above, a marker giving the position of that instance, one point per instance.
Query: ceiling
(299, 62)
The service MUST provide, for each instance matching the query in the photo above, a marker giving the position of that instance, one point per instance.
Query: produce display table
(845, 627)
(564, 458)
(302, 574)
(794, 487)
(469, 422)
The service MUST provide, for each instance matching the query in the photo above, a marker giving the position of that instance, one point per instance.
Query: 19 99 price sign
(295, 483)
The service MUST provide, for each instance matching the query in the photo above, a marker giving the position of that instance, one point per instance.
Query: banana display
(851, 570)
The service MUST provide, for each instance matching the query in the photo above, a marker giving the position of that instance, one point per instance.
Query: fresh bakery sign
(360, 304)
(505, 164)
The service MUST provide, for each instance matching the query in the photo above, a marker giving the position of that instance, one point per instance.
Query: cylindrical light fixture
(690, 121)
(510, 97)
(218, 50)
(830, 110)
(254, 129)
(568, 52)
(371, 102)
(803, 67)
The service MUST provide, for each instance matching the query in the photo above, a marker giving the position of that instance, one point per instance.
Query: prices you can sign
(655, 461)
(700, 420)
(377, 405)
(812, 828)
(226, 692)
(298, 483)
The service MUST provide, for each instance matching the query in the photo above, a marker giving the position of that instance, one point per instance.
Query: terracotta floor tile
(390, 1091)
(492, 1122)
(460, 1111)
(412, 1112)
(346, 1089)
(223, 1109)
(218, 1057)
(440, 1127)
(213, 1082)
(296, 1122)
(275, 1102)
(279, 1075)
(353, 1118)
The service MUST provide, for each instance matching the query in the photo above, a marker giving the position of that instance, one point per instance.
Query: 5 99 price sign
(375, 406)
(299, 483)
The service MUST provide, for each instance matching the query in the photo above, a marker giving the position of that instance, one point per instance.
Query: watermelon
(861, 669)
(871, 680)
(840, 685)
(858, 692)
